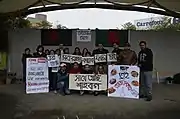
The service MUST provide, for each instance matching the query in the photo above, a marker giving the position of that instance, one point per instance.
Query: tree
(44, 25)
(59, 26)
(167, 25)
(129, 26)
(13, 22)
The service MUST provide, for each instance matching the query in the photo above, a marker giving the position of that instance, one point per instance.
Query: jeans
(146, 83)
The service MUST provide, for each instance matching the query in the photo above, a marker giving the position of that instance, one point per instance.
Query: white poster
(88, 82)
(123, 81)
(111, 57)
(66, 58)
(76, 58)
(37, 75)
(88, 60)
(100, 58)
(53, 60)
(84, 35)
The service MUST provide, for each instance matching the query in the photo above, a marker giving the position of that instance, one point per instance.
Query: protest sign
(66, 58)
(37, 75)
(123, 81)
(88, 60)
(55, 69)
(100, 58)
(53, 60)
(111, 57)
(87, 82)
(76, 58)
(83, 35)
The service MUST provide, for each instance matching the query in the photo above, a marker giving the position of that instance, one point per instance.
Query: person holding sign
(76, 69)
(39, 52)
(86, 53)
(77, 51)
(116, 50)
(100, 50)
(127, 56)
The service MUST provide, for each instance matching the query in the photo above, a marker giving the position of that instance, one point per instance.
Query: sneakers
(149, 98)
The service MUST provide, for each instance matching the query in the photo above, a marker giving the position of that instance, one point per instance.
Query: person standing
(127, 56)
(116, 50)
(39, 52)
(145, 62)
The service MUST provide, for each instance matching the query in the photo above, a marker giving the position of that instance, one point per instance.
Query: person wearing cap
(63, 80)
(127, 56)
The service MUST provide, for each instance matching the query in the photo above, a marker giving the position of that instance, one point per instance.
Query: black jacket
(24, 57)
(117, 51)
(145, 60)
(98, 51)
(36, 54)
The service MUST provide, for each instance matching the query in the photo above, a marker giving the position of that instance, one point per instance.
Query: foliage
(44, 25)
(129, 26)
(59, 26)
(14, 22)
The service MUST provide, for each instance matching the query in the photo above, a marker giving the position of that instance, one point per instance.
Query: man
(145, 62)
(100, 50)
(116, 50)
(127, 56)
(61, 48)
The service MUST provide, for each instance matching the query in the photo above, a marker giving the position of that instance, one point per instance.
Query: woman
(77, 51)
(25, 55)
(66, 50)
(47, 52)
(39, 52)
(85, 52)
(63, 80)
(58, 52)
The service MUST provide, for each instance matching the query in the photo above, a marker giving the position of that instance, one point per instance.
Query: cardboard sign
(87, 82)
(99, 58)
(84, 35)
(88, 60)
(111, 57)
(76, 58)
(66, 58)
(53, 60)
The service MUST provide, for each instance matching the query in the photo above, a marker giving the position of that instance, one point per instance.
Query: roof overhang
(26, 7)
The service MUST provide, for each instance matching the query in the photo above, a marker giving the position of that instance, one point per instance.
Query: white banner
(111, 57)
(66, 58)
(84, 35)
(123, 81)
(100, 58)
(88, 82)
(37, 75)
(76, 58)
(88, 60)
(53, 60)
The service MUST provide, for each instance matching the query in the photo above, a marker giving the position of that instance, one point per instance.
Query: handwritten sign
(111, 57)
(37, 75)
(53, 60)
(87, 82)
(88, 60)
(100, 58)
(123, 81)
(66, 58)
(84, 35)
(76, 58)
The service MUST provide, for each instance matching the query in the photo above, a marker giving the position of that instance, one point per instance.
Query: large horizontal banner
(88, 82)
(123, 81)
(53, 60)
(37, 75)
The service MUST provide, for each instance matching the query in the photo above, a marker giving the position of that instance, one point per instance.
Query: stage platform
(15, 104)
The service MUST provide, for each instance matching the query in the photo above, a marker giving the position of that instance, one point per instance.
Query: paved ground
(15, 104)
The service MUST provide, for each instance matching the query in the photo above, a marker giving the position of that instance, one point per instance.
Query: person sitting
(63, 80)
(75, 69)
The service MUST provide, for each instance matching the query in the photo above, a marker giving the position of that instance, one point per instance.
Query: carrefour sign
(148, 23)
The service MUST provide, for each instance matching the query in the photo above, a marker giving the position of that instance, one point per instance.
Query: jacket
(62, 77)
(36, 54)
(98, 51)
(75, 71)
(24, 57)
(127, 57)
(145, 60)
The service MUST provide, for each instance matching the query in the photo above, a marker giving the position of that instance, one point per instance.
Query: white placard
(53, 60)
(76, 58)
(111, 57)
(55, 69)
(37, 75)
(123, 81)
(88, 82)
(88, 60)
(84, 35)
(100, 58)
(66, 58)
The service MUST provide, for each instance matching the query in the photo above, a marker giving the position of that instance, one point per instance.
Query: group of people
(59, 81)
